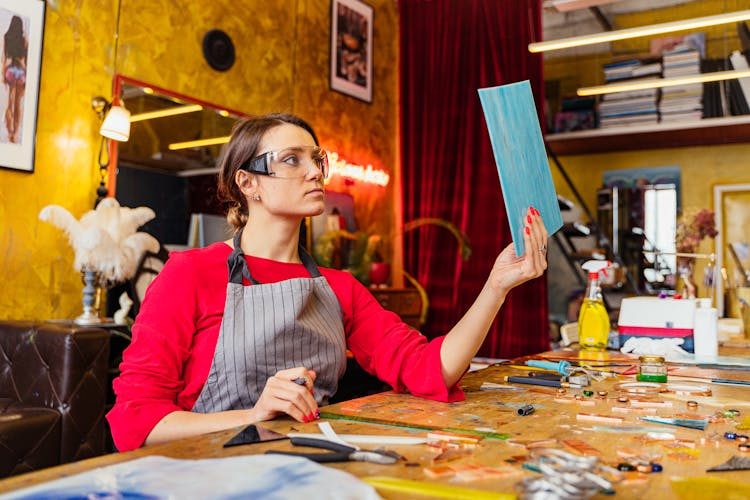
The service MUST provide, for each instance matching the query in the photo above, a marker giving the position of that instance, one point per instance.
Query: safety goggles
(289, 163)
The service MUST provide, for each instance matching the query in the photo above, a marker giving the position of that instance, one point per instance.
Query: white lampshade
(116, 124)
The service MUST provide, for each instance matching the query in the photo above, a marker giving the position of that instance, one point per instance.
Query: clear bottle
(705, 331)
(593, 320)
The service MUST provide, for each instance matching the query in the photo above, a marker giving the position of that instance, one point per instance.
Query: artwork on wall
(731, 199)
(21, 35)
(351, 48)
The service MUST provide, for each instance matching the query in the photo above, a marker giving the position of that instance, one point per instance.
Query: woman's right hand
(509, 270)
(282, 395)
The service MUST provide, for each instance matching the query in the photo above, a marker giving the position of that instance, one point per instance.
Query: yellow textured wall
(282, 65)
(36, 262)
(282, 58)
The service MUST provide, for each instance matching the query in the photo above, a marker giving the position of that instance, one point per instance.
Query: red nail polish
(311, 417)
(538, 213)
(528, 231)
(305, 419)
(528, 219)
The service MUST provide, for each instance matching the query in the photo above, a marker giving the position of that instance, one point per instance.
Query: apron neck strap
(237, 264)
(238, 268)
(308, 262)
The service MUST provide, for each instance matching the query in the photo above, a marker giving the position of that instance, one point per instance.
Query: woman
(249, 329)
(14, 75)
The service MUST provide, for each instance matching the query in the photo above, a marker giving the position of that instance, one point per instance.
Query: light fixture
(200, 142)
(177, 110)
(116, 124)
(340, 166)
(662, 82)
(568, 5)
(115, 120)
(654, 29)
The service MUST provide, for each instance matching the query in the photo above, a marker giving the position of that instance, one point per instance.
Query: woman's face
(298, 196)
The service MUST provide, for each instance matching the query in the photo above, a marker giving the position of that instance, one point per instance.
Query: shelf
(710, 131)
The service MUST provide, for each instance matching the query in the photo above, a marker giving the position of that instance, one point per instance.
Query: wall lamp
(115, 125)
(116, 119)
(653, 29)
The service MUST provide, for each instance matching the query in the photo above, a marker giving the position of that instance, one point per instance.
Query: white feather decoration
(105, 240)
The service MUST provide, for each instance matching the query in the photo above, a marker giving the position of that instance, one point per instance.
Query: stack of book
(714, 93)
(635, 107)
(681, 102)
(738, 90)
(575, 114)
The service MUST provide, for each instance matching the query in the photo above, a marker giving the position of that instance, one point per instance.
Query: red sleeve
(151, 371)
(388, 348)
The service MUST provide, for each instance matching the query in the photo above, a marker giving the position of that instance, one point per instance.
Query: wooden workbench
(493, 413)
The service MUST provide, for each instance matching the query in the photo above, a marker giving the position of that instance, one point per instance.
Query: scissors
(341, 452)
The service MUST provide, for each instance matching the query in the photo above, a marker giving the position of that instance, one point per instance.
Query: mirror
(170, 162)
(166, 130)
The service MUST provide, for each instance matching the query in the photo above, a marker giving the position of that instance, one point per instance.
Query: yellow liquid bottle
(593, 325)
(593, 320)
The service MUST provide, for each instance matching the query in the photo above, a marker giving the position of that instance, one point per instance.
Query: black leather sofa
(53, 385)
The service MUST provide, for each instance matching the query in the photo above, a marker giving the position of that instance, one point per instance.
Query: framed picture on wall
(21, 35)
(732, 216)
(351, 48)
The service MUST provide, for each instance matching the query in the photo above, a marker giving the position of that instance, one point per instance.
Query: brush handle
(561, 367)
(534, 381)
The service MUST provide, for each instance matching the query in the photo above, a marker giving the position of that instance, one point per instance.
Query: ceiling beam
(597, 12)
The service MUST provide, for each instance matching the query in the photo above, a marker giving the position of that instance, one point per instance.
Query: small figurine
(125, 304)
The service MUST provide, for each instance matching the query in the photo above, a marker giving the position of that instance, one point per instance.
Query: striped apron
(272, 327)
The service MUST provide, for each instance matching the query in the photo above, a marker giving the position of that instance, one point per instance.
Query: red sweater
(177, 328)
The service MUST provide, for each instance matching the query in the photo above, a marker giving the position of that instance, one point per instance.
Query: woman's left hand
(509, 270)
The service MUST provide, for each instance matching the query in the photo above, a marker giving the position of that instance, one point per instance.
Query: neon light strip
(200, 142)
(339, 166)
(654, 29)
(663, 82)
(177, 110)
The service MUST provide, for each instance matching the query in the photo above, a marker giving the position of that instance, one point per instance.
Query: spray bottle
(593, 320)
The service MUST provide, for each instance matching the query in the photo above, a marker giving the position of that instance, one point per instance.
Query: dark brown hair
(243, 146)
(15, 43)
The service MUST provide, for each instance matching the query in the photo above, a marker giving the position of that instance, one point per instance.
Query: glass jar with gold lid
(652, 369)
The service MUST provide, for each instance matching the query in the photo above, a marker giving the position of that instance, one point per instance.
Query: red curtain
(449, 49)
